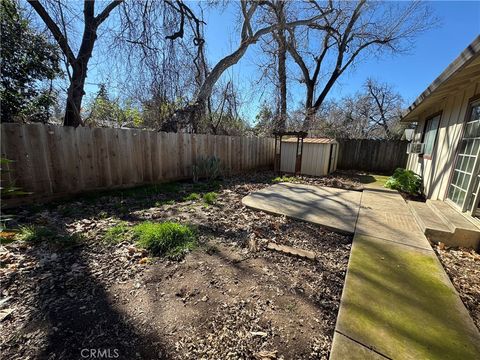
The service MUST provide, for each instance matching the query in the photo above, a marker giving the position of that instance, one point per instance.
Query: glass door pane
(465, 173)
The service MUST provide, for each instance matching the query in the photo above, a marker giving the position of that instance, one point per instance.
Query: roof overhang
(464, 70)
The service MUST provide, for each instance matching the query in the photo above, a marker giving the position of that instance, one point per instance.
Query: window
(429, 135)
(466, 176)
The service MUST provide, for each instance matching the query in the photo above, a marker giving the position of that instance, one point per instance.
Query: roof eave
(467, 55)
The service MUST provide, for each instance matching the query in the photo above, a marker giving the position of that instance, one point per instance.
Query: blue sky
(409, 73)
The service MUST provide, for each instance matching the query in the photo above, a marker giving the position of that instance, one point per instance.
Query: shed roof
(464, 69)
(312, 140)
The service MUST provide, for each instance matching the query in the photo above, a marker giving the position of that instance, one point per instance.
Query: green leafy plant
(192, 197)
(291, 179)
(168, 238)
(210, 198)
(207, 168)
(118, 233)
(406, 181)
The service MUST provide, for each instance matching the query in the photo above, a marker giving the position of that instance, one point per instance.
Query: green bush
(168, 238)
(210, 198)
(406, 181)
(118, 233)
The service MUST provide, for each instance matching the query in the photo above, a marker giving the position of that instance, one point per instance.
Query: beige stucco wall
(436, 172)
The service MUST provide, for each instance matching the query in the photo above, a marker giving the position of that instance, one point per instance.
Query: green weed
(168, 238)
(164, 202)
(290, 179)
(38, 234)
(210, 198)
(192, 197)
(118, 233)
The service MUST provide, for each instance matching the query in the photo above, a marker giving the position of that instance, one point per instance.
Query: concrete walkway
(397, 301)
(334, 208)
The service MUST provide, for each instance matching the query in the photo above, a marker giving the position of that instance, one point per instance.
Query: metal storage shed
(317, 156)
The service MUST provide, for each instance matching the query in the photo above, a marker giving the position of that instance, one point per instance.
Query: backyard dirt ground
(79, 297)
(463, 268)
(221, 301)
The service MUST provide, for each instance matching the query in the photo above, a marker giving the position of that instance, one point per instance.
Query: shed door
(463, 187)
(333, 158)
(288, 157)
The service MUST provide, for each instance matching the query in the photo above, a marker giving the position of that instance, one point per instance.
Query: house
(446, 145)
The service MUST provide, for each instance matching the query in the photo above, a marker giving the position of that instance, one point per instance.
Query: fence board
(52, 161)
(382, 156)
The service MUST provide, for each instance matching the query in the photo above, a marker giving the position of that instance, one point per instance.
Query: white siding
(436, 172)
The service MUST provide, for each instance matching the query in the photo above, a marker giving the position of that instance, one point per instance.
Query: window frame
(438, 114)
(472, 103)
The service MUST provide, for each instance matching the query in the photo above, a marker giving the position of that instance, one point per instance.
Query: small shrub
(192, 197)
(210, 198)
(207, 168)
(406, 181)
(169, 238)
(118, 233)
(280, 179)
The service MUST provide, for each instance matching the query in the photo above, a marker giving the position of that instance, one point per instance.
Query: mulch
(225, 300)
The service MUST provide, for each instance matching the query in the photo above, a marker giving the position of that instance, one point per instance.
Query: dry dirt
(463, 268)
(222, 301)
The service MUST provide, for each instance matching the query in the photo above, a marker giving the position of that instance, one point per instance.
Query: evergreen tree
(28, 59)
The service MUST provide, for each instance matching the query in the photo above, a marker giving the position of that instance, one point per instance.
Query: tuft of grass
(192, 197)
(165, 239)
(38, 234)
(118, 233)
(290, 179)
(164, 202)
(210, 198)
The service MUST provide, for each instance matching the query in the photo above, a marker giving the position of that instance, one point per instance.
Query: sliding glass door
(463, 189)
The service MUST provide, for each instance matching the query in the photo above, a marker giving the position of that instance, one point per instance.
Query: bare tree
(192, 113)
(346, 33)
(78, 63)
(279, 36)
(387, 105)
(145, 16)
(373, 113)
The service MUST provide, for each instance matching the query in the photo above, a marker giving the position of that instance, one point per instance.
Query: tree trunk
(79, 71)
(282, 72)
(75, 96)
(309, 108)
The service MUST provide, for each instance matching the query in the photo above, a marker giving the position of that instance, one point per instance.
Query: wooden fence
(382, 156)
(53, 160)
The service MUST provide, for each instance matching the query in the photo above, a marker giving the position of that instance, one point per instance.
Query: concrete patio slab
(334, 208)
(398, 301)
(386, 215)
